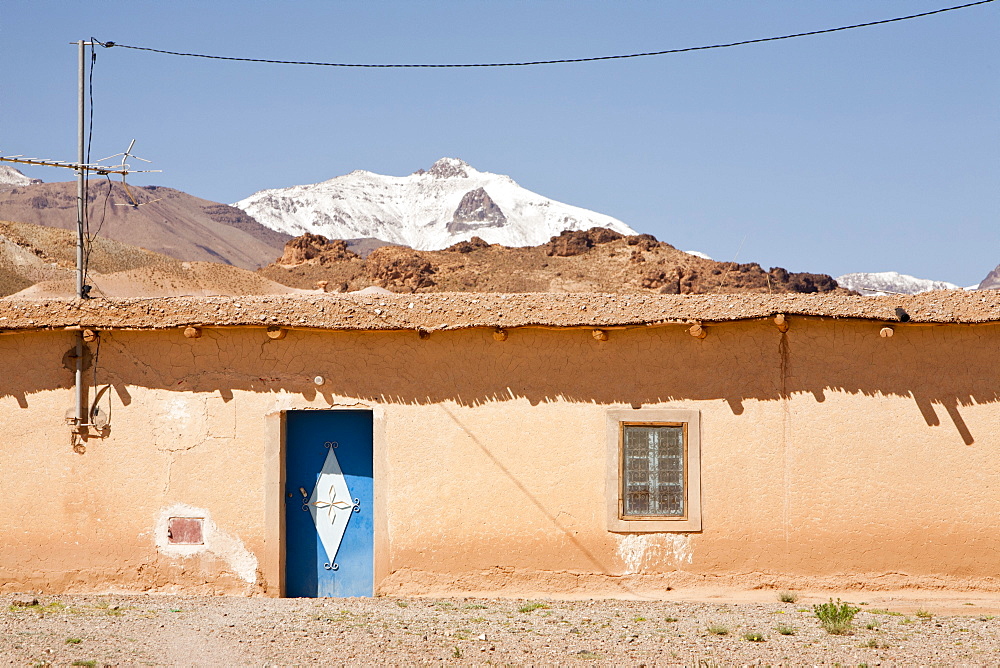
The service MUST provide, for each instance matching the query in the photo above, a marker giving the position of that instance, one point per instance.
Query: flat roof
(461, 310)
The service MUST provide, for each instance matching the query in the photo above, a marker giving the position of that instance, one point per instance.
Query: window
(653, 480)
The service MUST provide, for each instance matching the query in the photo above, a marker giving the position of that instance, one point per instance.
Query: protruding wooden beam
(886, 332)
(781, 322)
(192, 332)
(89, 335)
(600, 334)
(276, 333)
(500, 334)
(697, 331)
(423, 334)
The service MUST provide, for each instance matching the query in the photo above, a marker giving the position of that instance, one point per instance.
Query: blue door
(329, 536)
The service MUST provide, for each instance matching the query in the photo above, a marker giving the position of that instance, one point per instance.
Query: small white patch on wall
(644, 550)
(181, 422)
(217, 542)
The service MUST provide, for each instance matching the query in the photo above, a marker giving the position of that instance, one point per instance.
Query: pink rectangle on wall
(186, 531)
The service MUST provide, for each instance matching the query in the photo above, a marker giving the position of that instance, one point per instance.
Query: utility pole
(81, 420)
(81, 204)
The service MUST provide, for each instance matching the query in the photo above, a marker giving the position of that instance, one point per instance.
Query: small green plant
(788, 597)
(880, 611)
(586, 654)
(923, 614)
(786, 630)
(718, 630)
(531, 607)
(872, 643)
(475, 606)
(402, 604)
(836, 617)
(670, 620)
(73, 641)
(53, 607)
(639, 619)
(986, 618)
(873, 625)
(456, 652)
(79, 662)
(753, 636)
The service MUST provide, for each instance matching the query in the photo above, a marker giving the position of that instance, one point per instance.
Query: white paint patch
(646, 550)
(181, 422)
(177, 410)
(632, 551)
(217, 542)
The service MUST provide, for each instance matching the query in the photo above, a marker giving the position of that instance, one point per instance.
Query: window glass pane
(653, 470)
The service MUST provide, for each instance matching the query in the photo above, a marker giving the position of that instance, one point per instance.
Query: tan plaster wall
(830, 455)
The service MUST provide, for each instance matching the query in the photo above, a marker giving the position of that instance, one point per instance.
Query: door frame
(273, 570)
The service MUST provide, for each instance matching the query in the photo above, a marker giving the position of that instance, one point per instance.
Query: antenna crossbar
(101, 170)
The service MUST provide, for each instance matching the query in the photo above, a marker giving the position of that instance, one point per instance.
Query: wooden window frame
(617, 419)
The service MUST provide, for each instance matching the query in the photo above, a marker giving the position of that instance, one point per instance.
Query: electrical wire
(551, 62)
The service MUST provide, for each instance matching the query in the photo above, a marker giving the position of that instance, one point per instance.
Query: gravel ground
(183, 630)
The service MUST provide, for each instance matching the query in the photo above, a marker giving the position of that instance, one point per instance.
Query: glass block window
(653, 471)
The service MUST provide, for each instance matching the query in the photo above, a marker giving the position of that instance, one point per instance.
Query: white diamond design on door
(331, 506)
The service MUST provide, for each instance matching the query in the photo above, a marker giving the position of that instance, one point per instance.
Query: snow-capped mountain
(13, 177)
(427, 210)
(883, 282)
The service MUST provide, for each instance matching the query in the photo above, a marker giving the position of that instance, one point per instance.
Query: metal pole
(81, 408)
(81, 174)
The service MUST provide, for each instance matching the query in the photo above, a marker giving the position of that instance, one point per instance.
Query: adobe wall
(830, 456)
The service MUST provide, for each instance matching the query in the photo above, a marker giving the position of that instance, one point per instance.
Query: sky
(876, 149)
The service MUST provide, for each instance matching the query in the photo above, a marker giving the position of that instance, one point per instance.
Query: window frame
(617, 420)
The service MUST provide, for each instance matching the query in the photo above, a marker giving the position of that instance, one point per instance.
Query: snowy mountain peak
(13, 177)
(428, 210)
(447, 168)
(890, 282)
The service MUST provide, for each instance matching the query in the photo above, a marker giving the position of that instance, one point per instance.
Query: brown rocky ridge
(166, 221)
(596, 260)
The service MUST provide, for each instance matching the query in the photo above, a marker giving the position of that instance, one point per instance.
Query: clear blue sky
(868, 150)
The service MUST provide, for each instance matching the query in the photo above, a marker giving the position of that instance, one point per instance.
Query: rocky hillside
(992, 280)
(595, 260)
(40, 262)
(165, 221)
(429, 209)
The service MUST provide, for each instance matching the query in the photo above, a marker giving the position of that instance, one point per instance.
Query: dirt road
(203, 631)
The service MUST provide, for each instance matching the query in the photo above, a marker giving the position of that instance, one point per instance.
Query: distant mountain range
(890, 282)
(449, 203)
(427, 210)
(11, 177)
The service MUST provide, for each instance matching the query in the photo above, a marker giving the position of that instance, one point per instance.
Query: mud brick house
(460, 443)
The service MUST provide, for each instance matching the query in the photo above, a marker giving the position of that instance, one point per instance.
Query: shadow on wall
(949, 366)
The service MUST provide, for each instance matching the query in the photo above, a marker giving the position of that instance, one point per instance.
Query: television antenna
(82, 420)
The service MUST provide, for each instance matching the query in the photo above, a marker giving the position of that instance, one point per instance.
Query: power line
(552, 62)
